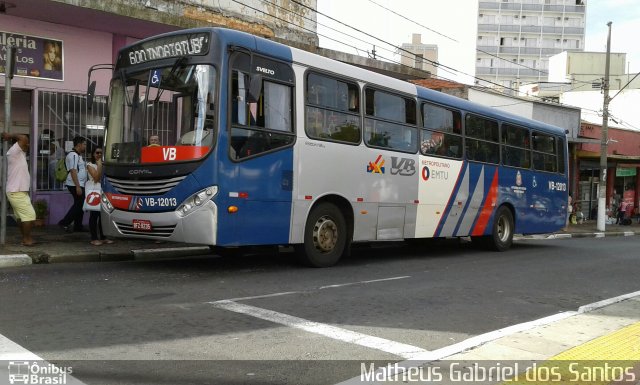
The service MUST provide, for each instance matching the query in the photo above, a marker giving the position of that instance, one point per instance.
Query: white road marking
(363, 282)
(336, 333)
(438, 354)
(12, 352)
(264, 296)
(319, 288)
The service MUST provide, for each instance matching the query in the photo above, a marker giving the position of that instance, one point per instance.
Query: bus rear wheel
(325, 236)
(501, 237)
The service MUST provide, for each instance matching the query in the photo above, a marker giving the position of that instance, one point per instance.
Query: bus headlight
(196, 200)
(107, 205)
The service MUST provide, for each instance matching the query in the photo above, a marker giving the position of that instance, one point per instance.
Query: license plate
(142, 225)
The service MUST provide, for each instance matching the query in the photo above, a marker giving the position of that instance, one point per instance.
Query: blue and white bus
(258, 143)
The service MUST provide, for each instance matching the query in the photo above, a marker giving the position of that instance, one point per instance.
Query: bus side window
(332, 109)
(261, 107)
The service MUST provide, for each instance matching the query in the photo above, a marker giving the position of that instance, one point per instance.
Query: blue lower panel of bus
(261, 190)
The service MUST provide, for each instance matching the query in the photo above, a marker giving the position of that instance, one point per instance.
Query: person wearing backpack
(76, 178)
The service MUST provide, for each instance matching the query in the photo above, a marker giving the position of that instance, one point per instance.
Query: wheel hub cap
(325, 234)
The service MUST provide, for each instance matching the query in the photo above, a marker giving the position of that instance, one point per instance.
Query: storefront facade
(48, 98)
(623, 169)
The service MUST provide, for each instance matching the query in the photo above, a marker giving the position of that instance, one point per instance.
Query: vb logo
(403, 166)
(169, 153)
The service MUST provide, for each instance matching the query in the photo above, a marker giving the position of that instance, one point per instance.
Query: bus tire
(501, 236)
(325, 236)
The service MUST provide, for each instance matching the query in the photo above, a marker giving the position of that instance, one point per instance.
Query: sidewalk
(595, 344)
(54, 245)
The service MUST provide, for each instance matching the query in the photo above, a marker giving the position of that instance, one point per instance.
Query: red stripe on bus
(487, 208)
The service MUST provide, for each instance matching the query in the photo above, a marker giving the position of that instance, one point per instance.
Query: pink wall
(82, 49)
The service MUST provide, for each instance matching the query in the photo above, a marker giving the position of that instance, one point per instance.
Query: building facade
(623, 169)
(517, 37)
(48, 98)
(419, 55)
(58, 41)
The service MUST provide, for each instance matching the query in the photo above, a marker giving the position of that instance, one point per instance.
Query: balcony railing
(488, 48)
(521, 72)
(487, 27)
(531, 28)
(488, 5)
(573, 30)
(532, 7)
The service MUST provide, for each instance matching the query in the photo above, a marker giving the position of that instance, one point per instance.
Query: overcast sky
(451, 24)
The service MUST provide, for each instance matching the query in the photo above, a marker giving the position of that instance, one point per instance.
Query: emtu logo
(425, 173)
(376, 167)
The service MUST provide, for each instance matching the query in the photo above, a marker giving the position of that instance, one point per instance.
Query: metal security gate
(61, 117)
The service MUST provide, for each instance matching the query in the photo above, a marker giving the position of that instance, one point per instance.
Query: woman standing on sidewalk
(94, 168)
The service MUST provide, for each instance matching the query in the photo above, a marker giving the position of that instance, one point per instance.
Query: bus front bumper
(199, 226)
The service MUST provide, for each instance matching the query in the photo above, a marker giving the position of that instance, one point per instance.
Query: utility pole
(9, 68)
(602, 188)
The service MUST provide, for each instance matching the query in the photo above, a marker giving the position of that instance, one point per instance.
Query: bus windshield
(162, 115)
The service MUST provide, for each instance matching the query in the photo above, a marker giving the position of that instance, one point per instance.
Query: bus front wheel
(325, 236)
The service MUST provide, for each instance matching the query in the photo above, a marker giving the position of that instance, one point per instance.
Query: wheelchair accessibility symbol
(156, 76)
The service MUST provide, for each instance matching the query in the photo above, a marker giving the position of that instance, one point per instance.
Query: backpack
(61, 170)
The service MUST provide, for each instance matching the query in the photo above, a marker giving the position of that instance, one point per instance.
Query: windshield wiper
(180, 63)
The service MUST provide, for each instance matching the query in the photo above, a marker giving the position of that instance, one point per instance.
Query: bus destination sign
(174, 46)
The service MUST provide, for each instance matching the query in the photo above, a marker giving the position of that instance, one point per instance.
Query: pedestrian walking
(18, 183)
(76, 178)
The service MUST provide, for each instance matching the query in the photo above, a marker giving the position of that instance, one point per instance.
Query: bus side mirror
(255, 88)
(91, 85)
(91, 93)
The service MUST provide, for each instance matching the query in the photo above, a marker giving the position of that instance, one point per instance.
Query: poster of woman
(37, 57)
(52, 56)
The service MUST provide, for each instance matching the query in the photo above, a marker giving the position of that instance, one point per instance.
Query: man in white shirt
(76, 179)
(18, 183)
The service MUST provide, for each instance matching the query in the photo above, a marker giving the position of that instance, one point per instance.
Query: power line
(450, 38)
(625, 86)
(413, 21)
(439, 65)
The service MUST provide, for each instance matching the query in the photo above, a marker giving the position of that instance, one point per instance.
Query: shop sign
(625, 171)
(36, 57)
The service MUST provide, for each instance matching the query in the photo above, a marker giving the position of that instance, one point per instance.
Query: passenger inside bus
(154, 141)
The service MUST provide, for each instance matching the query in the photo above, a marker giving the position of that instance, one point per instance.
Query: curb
(12, 260)
(169, 252)
(579, 235)
(135, 254)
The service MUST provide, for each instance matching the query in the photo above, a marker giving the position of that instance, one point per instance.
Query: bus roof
(283, 52)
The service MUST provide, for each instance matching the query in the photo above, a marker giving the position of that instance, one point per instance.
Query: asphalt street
(237, 320)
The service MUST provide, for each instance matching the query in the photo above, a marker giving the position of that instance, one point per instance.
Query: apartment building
(517, 37)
